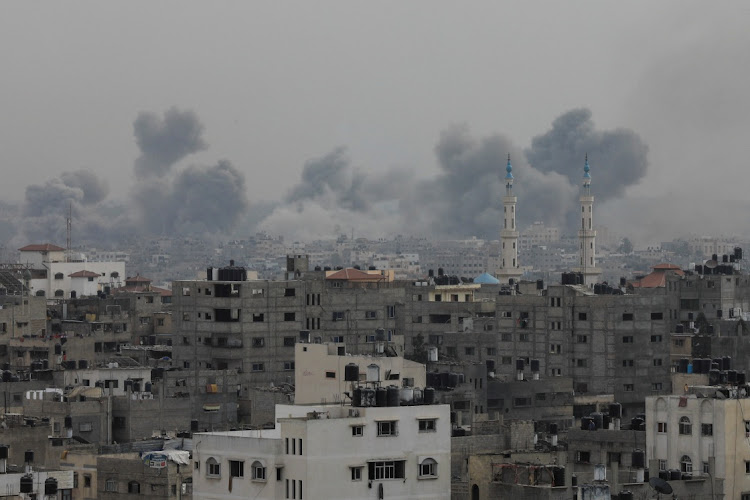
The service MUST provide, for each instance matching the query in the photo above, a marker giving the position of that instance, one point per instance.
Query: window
(356, 473)
(289, 341)
(59, 276)
(506, 360)
(289, 292)
(259, 472)
(110, 485)
(213, 468)
(338, 316)
(259, 341)
(662, 465)
(428, 468)
(706, 467)
(427, 425)
(655, 338)
(657, 362)
(358, 430)
(186, 292)
(59, 293)
(583, 457)
(374, 315)
(582, 316)
(657, 316)
(521, 402)
(627, 316)
(258, 367)
(390, 469)
(330, 374)
(289, 316)
(686, 465)
(661, 427)
(85, 427)
(392, 311)
(686, 428)
(258, 318)
(679, 342)
(524, 337)
(707, 429)
(627, 339)
(506, 337)
(656, 386)
(582, 339)
(134, 487)
(469, 351)
(236, 468)
(628, 387)
(387, 428)
(491, 351)
(288, 365)
(581, 363)
(627, 362)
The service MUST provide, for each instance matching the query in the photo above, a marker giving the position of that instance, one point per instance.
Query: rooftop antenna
(69, 228)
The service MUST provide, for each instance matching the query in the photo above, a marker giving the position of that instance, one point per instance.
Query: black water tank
(726, 363)
(68, 423)
(675, 474)
(27, 483)
(714, 377)
(28, 456)
(598, 418)
(741, 378)
(540, 284)
(3, 451)
(558, 475)
(83, 364)
(148, 387)
(194, 425)
(381, 397)
(625, 495)
(357, 397)
(535, 365)
(50, 486)
(636, 423)
(452, 379)
(429, 395)
(58, 349)
(664, 474)
(519, 365)
(679, 328)
(639, 459)
(732, 376)
(683, 367)
(553, 429)
(393, 396)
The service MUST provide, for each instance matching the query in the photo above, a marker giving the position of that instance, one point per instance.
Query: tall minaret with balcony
(586, 233)
(509, 234)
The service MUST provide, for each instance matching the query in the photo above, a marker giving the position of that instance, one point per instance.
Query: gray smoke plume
(79, 188)
(165, 141)
(618, 158)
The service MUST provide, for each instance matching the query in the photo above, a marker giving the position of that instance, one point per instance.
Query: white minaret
(509, 266)
(586, 233)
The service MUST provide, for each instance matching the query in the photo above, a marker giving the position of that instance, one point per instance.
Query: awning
(211, 407)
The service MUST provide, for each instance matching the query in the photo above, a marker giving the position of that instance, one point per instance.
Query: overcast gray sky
(278, 83)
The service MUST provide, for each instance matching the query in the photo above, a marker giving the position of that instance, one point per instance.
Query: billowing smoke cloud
(81, 187)
(618, 157)
(465, 197)
(165, 141)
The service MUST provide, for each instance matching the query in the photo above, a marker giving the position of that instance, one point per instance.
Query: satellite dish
(660, 485)
(711, 264)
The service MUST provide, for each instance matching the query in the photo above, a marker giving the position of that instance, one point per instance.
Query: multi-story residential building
(335, 452)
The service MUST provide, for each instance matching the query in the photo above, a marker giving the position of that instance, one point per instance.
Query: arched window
(115, 274)
(686, 465)
(40, 293)
(134, 487)
(428, 468)
(259, 471)
(686, 428)
(59, 293)
(110, 485)
(59, 276)
(213, 468)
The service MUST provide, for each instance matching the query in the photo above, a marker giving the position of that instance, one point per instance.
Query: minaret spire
(509, 268)
(586, 233)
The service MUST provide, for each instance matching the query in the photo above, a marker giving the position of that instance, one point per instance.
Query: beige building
(320, 372)
(702, 437)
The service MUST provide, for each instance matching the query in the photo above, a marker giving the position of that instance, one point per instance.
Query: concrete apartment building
(336, 452)
(701, 435)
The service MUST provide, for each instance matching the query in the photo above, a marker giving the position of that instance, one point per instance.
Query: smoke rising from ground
(463, 199)
(164, 141)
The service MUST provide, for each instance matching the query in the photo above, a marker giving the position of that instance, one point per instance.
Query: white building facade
(330, 452)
